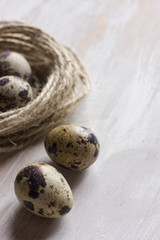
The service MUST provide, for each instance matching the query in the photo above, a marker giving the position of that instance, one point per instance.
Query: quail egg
(72, 146)
(42, 190)
(14, 93)
(13, 63)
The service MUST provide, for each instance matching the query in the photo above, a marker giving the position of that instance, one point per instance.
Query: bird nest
(59, 82)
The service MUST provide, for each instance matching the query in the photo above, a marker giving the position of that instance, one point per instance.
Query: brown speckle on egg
(42, 191)
(41, 211)
(74, 166)
(75, 148)
(51, 204)
(62, 180)
(23, 94)
(77, 162)
(92, 138)
(53, 149)
(95, 153)
(35, 180)
(4, 81)
(29, 205)
(64, 210)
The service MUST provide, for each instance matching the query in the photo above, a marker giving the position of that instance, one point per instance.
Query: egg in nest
(13, 63)
(14, 93)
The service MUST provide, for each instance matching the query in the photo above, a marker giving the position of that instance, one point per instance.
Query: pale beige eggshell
(42, 190)
(73, 146)
(14, 63)
(14, 93)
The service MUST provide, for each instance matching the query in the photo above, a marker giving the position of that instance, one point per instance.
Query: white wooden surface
(118, 198)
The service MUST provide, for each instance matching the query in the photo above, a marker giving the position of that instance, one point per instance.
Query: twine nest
(60, 82)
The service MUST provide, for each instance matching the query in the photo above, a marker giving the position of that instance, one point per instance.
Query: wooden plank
(119, 196)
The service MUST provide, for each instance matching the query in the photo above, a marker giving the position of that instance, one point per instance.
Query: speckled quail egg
(72, 146)
(14, 93)
(42, 190)
(13, 63)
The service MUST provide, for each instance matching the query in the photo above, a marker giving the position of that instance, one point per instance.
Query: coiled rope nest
(60, 82)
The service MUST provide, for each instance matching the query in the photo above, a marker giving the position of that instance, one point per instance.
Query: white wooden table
(118, 198)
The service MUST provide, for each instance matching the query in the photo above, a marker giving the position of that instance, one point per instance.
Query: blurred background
(118, 197)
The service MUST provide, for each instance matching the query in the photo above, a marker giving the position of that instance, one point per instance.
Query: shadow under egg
(25, 225)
